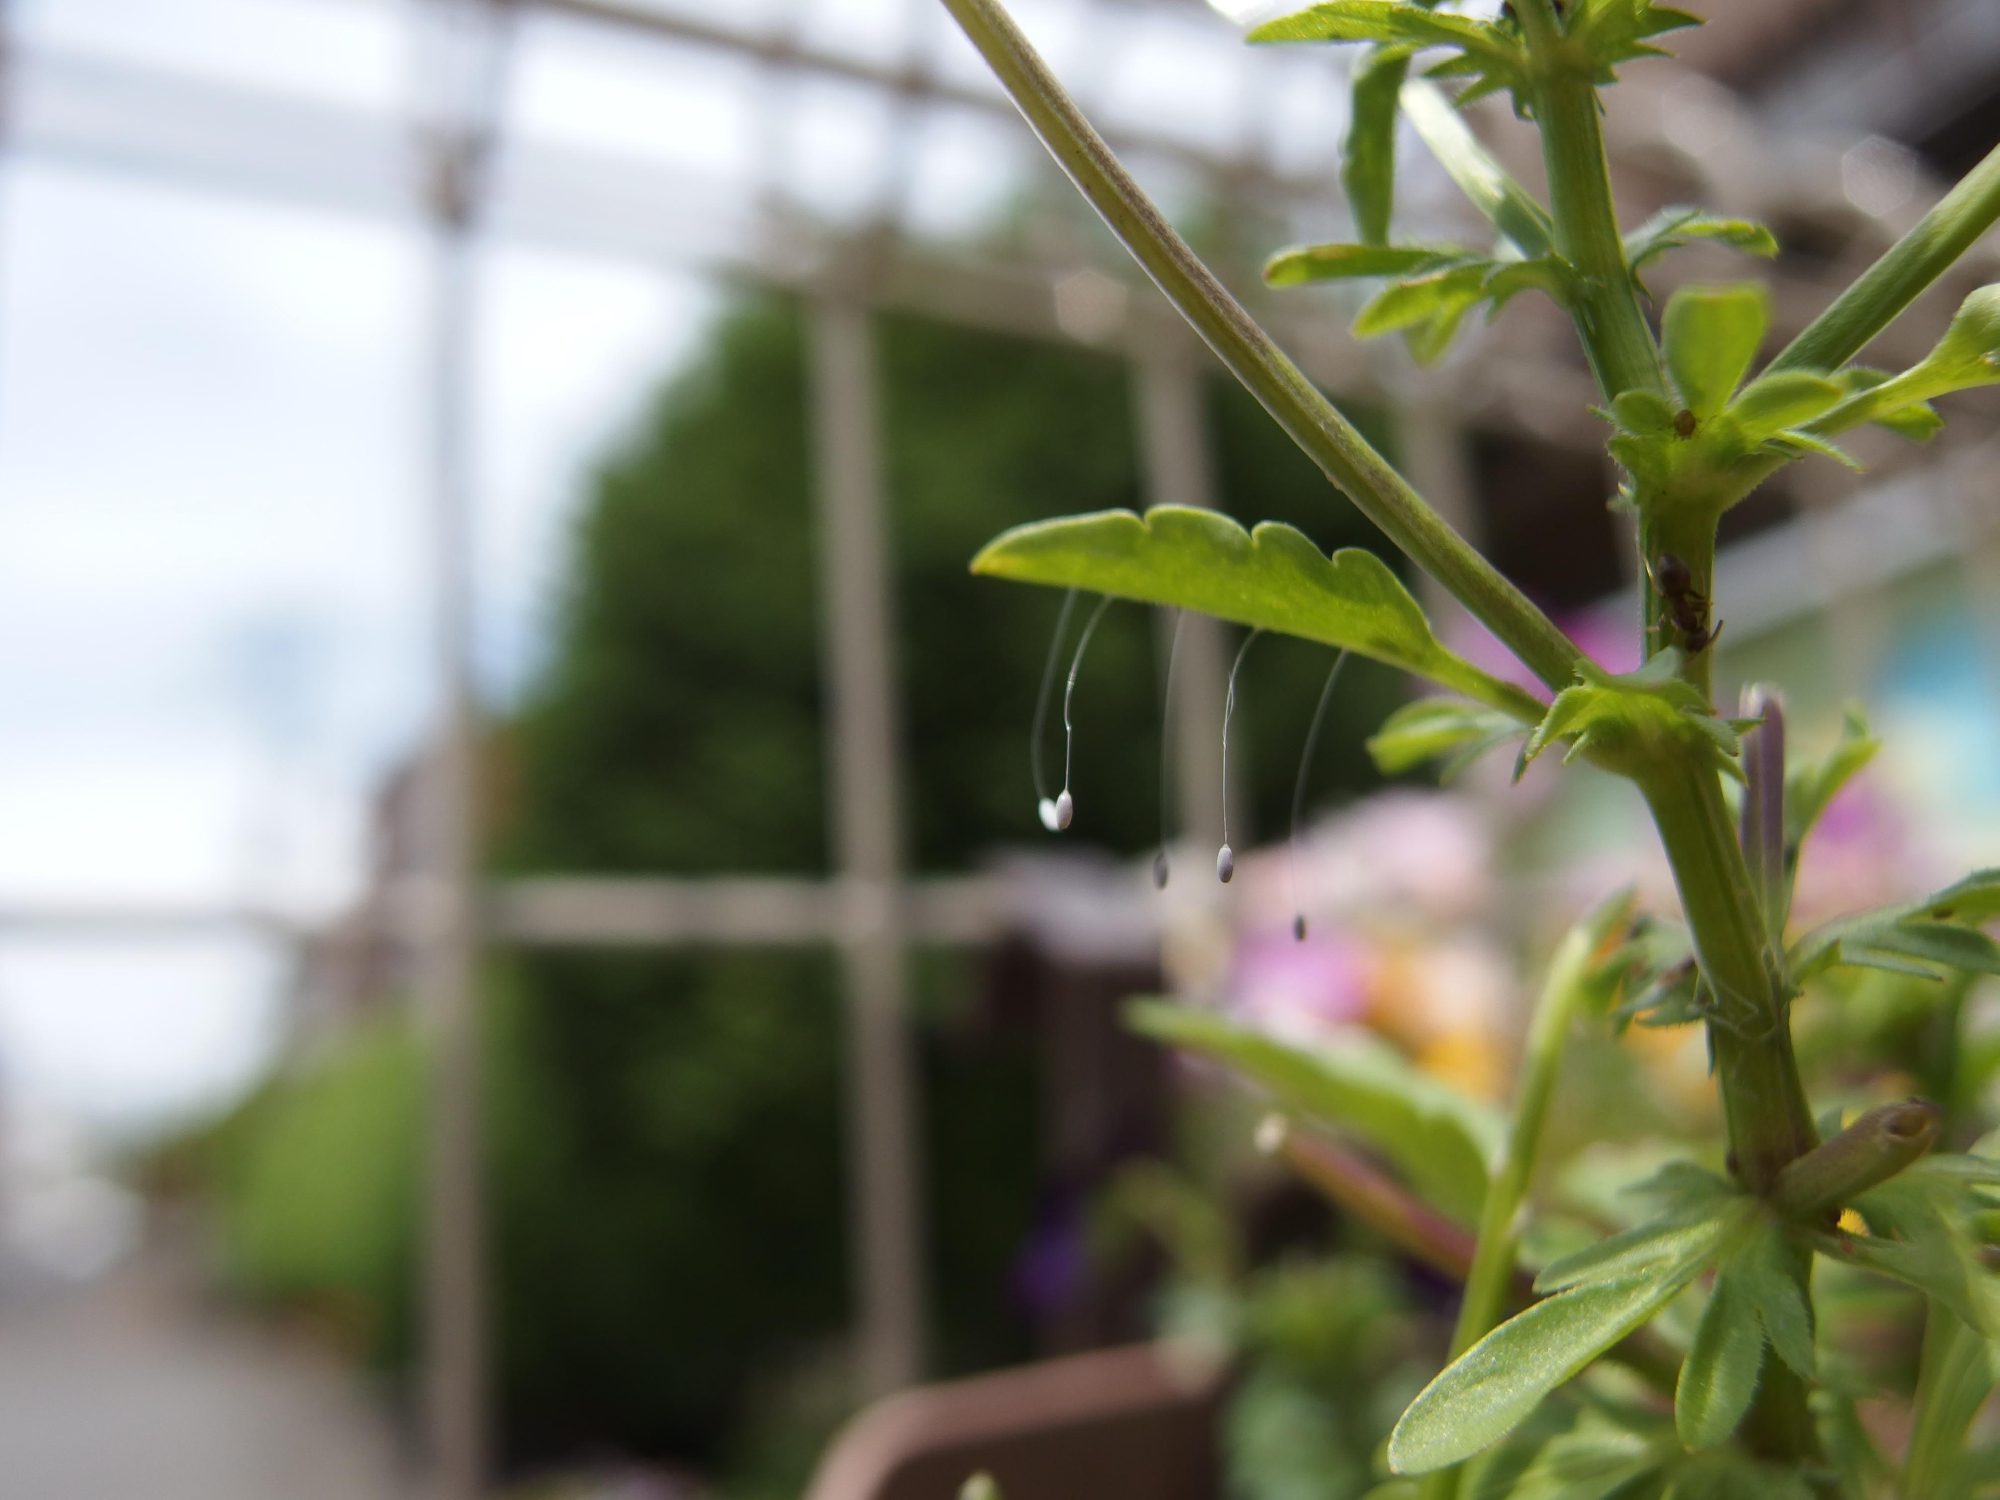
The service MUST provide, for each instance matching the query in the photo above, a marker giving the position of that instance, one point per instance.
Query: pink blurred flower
(1859, 854)
(1299, 990)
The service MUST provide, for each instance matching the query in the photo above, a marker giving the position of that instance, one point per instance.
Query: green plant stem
(1902, 273)
(1690, 536)
(1490, 1280)
(1769, 1123)
(1749, 1037)
(1263, 368)
(1612, 325)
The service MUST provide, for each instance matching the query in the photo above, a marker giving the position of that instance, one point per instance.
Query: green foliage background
(665, 1130)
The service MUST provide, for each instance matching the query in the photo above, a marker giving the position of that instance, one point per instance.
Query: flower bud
(1871, 1150)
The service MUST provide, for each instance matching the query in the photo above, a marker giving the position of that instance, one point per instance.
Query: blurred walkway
(129, 1389)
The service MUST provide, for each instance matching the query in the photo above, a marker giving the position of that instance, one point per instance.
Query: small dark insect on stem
(1686, 605)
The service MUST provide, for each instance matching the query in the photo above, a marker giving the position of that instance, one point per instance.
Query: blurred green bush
(665, 1133)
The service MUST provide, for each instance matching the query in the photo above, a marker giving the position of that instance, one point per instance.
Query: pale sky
(213, 634)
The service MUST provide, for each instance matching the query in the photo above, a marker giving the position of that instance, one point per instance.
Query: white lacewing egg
(1065, 809)
(1160, 871)
(1047, 808)
(1225, 864)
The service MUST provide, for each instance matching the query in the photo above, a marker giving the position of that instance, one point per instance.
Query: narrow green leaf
(1690, 1231)
(1719, 1375)
(1368, 151)
(1592, 1454)
(1795, 442)
(1940, 943)
(1811, 784)
(1709, 336)
(1303, 263)
(1496, 195)
(1968, 355)
(1422, 299)
(1439, 1140)
(1918, 421)
(1782, 400)
(1912, 935)
(1500, 1379)
(1428, 727)
(1273, 578)
(1678, 225)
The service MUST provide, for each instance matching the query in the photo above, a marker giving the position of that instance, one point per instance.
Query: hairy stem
(1609, 320)
(1905, 269)
(1264, 369)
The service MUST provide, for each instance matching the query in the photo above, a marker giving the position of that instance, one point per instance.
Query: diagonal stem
(1900, 276)
(1328, 438)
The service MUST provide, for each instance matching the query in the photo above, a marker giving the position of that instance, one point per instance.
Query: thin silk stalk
(1327, 437)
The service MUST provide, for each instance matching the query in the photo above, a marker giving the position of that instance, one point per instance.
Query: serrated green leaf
(1766, 1276)
(1508, 205)
(1615, 31)
(1709, 335)
(1719, 1375)
(1491, 54)
(1690, 1230)
(1781, 400)
(1679, 224)
(1921, 1235)
(1428, 727)
(1621, 719)
(1273, 578)
(1498, 1381)
(1368, 150)
(1439, 1139)
(1305, 263)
